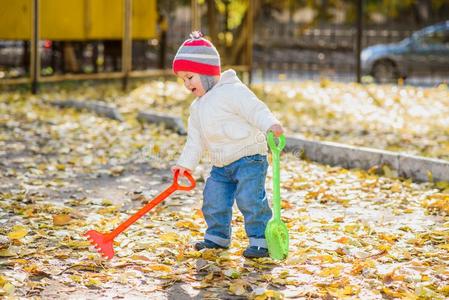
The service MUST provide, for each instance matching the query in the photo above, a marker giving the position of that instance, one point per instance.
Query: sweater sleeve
(193, 149)
(257, 113)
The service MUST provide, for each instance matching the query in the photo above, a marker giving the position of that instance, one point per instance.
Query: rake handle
(159, 198)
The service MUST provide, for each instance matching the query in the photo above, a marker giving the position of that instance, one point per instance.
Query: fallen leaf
(169, 237)
(159, 267)
(18, 232)
(238, 288)
(59, 220)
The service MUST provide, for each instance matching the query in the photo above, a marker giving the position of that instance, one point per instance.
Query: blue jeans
(244, 181)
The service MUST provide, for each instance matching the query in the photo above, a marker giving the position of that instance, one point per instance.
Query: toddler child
(229, 122)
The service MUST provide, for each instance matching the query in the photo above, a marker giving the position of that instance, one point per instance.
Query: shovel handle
(276, 150)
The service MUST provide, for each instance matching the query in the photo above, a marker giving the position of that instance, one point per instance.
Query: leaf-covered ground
(408, 119)
(396, 118)
(353, 234)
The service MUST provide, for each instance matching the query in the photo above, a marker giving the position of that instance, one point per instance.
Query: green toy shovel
(276, 232)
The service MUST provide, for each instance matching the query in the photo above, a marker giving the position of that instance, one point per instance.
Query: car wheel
(385, 71)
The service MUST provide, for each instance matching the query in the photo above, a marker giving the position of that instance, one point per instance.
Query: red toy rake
(103, 241)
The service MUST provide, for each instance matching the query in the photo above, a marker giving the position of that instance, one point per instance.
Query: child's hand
(277, 130)
(182, 170)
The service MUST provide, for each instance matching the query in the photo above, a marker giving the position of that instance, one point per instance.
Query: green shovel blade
(276, 232)
(276, 235)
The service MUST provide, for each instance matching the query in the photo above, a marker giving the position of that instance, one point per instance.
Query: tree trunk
(238, 47)
(212, 21)
(423, 10)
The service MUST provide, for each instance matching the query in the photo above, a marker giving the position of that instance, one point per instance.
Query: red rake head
(101, 242)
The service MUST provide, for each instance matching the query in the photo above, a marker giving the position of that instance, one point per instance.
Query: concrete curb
(98, 107)
(408, 166)
(335, 154)
(170, 122)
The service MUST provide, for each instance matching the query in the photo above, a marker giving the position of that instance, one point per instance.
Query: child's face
(192, 82)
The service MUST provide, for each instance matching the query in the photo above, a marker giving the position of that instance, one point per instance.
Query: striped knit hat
(197, 55)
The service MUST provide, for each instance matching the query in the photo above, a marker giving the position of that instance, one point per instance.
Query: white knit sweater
(228, 123)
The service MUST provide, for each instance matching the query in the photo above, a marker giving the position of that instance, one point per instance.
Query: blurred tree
(212, 21)
(236, 11)
(415, 12)
(323, 10)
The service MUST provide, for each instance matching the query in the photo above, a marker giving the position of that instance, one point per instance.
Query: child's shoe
(206, 244)
(255, 252)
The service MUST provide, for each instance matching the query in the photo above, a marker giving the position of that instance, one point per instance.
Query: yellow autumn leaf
(384, 247)
(32, 269)
(350, 290)
(438, 202)
(351, 228)
(238, 288)
(269, 294)
(344, 292)
(285, 204)
(359, 265)
(192, 254)
(8, 289)
(429, 176)
(18, 232)
(388, 172)
(198, 214)
(59, 220)
(444, 246)
(301, 228)
(187, 224)
(295, 259)
(169, 237)
(392, 293)
(92, 282)
(427, 293)
(388, 237)
(7, 253)
(209, 254)
(442, 185)
(139, 257)
(76, 278)
(333, 271)
(338, 219)
(75, 244)
(444, 290)
(342, 240)
(106, 202)
(209, 277)
(107, 210)
(396, 188)
(324, 258)
(159, 267)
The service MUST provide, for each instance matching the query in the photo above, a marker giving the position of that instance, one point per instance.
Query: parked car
(424, 53)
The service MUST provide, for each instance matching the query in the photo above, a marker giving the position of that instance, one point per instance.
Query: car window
(435, 38)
